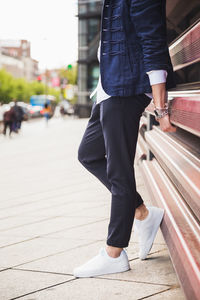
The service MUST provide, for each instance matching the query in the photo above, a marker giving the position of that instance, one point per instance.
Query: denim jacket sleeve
(149, 20)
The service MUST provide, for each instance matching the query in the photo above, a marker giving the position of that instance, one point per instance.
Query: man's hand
(165, 124)
(160, 97)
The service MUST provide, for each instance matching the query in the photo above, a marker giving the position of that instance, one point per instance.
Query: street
(54, 217)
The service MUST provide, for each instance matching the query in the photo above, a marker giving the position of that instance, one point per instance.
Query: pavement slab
(172, 294)
(49, 226)
(101, 289)
(35, 249)
(15, 283)
(97, 230)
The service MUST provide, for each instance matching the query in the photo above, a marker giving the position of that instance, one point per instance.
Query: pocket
(145, 101)
(129, 59)
(133, 58)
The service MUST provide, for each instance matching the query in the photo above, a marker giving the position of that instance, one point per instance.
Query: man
(47, 112)
(9, 119)
(134, 66)
(19, 116)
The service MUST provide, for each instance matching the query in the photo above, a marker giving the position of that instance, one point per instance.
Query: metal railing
(170, 163)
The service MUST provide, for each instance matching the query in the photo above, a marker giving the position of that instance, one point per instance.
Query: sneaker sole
(123, 269)
(154, 232)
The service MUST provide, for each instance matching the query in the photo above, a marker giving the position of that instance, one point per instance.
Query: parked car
(35, 111)
(66, 108)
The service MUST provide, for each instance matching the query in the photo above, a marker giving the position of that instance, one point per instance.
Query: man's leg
(5, 124)
(10, 127)
(120, 118)
(91, 152)
(119, 179)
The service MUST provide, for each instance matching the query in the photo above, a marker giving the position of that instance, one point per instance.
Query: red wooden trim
(186, 50)
(184, 112)
(181, 166)
(187, 104)
(179, 228)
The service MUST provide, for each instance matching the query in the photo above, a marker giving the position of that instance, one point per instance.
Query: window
(93, 28)
(93, 76)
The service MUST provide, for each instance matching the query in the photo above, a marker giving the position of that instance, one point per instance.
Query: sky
(50, 26)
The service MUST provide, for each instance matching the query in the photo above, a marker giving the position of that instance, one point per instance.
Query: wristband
(161, 112)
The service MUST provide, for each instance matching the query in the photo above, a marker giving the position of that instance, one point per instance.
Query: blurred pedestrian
(62, 110)
(47, 112)
(9, 119)
(19, 113)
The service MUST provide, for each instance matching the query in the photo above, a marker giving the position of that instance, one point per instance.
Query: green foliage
(20, 89)
(37, 88)
(6, 86)
(54, 92)
(70, 73)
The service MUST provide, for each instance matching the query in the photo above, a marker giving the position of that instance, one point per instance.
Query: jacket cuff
(157, 76)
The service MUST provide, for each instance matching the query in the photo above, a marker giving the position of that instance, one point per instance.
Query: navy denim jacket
(133, 42)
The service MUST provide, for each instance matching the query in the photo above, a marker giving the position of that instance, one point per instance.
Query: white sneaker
(102, 264)
(147, 229)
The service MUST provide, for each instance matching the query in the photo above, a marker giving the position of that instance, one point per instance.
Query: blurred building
(15, 57)
(89, 18)
(16, 48)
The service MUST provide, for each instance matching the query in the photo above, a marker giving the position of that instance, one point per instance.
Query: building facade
(15, 58)
(89, 19)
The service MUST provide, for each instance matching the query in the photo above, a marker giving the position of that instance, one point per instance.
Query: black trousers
(8, 124)
(107, 150)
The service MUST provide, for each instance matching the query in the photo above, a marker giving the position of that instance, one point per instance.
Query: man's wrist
(160, 95)
(160, 112)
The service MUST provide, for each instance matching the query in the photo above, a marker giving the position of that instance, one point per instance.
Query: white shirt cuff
(157, 76)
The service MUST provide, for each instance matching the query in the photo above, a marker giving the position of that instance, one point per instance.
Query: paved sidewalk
(54, 217)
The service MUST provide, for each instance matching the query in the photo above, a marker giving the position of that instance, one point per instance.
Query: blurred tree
(37, 88)
(20, 89)
(6, 86)
(70, 73)
(55, 93)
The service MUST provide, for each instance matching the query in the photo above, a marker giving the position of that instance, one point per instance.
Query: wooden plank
(181, 166)
(186, 50)
(179, 227)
